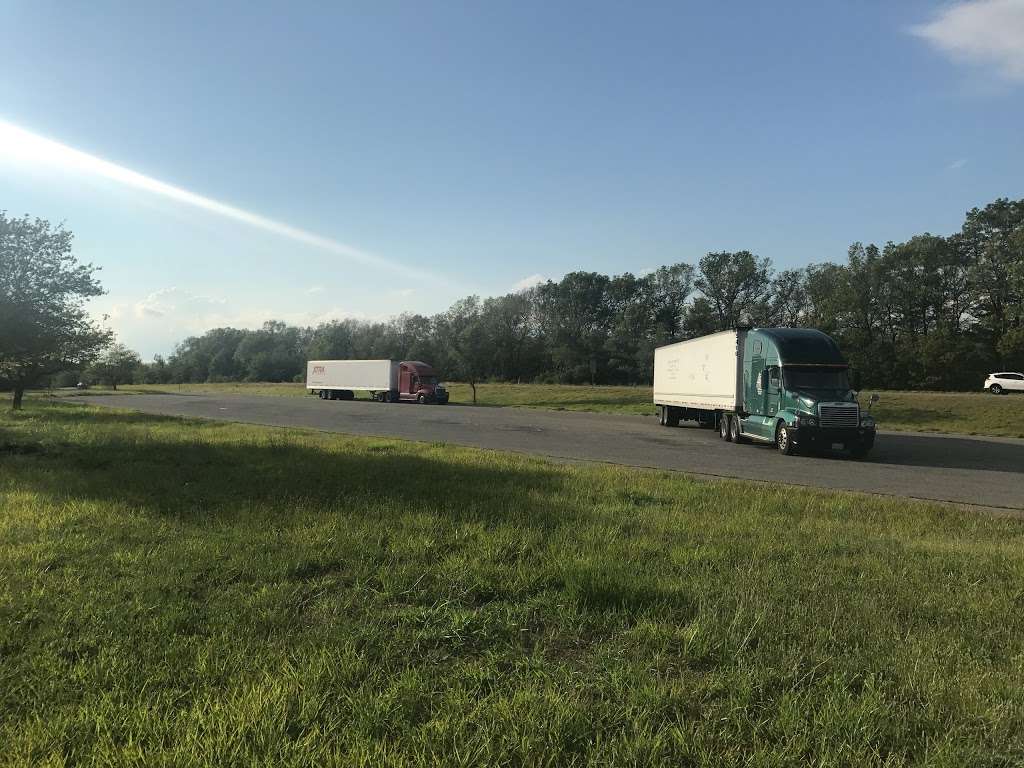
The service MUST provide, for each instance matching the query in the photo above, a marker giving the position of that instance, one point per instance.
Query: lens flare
(21, 146)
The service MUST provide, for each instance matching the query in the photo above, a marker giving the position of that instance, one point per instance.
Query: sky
(232, 162)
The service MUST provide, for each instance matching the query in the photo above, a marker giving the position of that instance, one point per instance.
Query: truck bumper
(816, 437)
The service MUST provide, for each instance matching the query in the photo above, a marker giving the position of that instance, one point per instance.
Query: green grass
(971, 413)
(179, 592)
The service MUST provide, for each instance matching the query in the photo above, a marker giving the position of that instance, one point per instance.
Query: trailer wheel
(322, 394)
(672, 417)
(725, 427)
(784, 439)
(661, 416)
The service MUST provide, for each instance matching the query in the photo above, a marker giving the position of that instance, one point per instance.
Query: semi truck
(386, 381)
(787, 386)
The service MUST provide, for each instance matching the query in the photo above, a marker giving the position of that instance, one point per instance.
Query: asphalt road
(968, 470)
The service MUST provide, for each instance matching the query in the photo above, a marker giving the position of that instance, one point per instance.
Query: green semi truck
(787, 386)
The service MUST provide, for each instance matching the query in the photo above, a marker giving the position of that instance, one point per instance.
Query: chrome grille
(839, 416)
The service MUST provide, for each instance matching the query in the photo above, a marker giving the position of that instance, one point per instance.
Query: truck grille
(839, 416)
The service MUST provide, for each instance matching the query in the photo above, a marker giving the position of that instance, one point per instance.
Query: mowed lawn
(178, 592)
(971, 413)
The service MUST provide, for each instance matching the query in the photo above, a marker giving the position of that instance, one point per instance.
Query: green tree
(993, 245)
(44, 327)
(735, 283)
(467, 338)
(116, 365)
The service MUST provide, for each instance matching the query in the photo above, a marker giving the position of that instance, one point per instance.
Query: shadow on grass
(278, 480)
(195, 476)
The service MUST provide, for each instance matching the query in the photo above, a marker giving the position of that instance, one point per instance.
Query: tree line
(932, 312)
(935, 312)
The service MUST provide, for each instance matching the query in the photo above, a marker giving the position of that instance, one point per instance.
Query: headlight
(803, 420)
(867, 421)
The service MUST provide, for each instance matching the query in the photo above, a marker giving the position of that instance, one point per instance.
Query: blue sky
(468, 147)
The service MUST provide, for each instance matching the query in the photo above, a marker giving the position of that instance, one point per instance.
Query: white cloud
(957, 164)
(645, 272)
(315, 289)
(170, 301)
(986, 32)
(529, 282)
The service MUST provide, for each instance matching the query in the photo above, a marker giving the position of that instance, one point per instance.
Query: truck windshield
(815, 378)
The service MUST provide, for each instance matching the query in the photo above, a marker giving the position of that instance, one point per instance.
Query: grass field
(971, 413)
(180, 593)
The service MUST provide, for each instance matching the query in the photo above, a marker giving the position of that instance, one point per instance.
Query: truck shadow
(942, 452)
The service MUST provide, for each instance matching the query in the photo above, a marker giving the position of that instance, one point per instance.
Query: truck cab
(418, 382)
(797, 393)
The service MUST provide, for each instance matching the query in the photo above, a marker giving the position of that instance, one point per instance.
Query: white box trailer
(352, 375)
(701, 376)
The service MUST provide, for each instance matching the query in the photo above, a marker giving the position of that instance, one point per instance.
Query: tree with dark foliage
(44, 327)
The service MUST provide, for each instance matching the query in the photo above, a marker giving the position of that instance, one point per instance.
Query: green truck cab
(797, 393)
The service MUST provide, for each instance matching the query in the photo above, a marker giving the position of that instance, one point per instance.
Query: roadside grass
(186, 592)
(969, 413)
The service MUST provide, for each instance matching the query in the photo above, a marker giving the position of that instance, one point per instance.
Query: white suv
(1001, 383)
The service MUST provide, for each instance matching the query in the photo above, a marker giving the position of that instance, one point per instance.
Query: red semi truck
(387, 381)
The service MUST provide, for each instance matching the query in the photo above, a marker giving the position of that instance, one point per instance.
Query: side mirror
(875, 398)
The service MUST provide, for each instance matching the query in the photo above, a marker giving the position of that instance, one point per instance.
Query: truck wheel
(725, 427)
(421, 400)
(784, 440)
(995, 389)
(672, 418)
(735, 434)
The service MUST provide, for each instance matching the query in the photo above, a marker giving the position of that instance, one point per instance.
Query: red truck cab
(418, 382)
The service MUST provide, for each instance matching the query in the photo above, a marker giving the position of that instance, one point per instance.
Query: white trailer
(341, 379)
(698, 378)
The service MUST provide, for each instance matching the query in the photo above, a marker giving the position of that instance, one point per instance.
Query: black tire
(663, 415)
(725, 427)
(385, 397)
(995, 389)
(421, 400)
(784, 440)
(735, 434)
(323, 394)
(672, 419)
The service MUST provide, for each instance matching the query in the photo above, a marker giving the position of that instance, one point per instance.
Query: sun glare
(23, 147)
